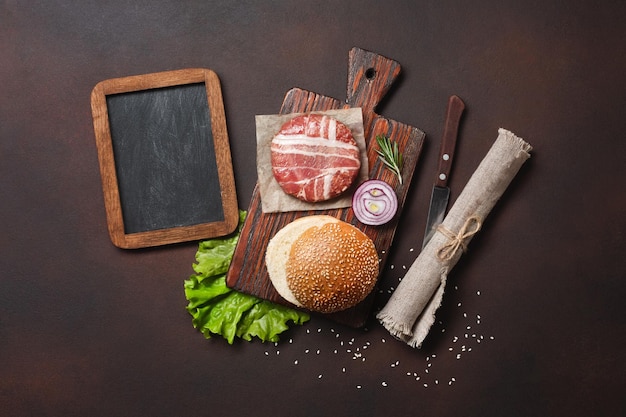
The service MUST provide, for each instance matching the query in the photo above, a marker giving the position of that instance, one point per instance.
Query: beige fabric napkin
(410, 312)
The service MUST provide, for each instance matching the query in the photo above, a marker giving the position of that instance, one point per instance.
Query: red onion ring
(374, 202)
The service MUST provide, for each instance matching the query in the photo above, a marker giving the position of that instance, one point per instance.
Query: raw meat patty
(315, 157)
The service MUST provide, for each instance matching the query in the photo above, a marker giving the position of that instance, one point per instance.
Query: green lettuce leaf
(219, 310)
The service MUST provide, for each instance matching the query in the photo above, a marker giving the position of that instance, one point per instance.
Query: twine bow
(471, 226)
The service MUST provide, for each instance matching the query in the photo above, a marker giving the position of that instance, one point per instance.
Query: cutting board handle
(369, 77)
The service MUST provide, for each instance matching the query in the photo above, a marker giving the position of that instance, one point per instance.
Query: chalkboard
(164, 158)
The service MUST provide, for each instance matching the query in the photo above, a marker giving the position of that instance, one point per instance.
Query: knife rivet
(445, 156)
(442, 177)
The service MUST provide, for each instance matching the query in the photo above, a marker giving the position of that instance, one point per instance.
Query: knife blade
(441, 192)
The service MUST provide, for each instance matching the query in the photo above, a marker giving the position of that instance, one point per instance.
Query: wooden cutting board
(369, 78)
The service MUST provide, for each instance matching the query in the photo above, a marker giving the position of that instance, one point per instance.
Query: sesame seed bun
(322, 264)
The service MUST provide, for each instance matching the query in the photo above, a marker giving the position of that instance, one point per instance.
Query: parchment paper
(410, 312)
(273, 198)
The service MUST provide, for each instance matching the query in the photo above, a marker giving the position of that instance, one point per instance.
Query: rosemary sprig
(390, 155)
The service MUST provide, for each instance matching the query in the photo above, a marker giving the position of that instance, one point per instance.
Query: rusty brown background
(87, 329)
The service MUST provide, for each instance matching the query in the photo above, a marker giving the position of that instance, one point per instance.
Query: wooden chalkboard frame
(109, 174)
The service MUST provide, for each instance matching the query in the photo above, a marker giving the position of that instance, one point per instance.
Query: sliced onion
(374, 202)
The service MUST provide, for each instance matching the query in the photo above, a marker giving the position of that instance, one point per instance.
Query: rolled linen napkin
(410, 312)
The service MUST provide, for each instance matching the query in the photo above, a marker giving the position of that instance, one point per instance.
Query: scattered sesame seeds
(357, 347)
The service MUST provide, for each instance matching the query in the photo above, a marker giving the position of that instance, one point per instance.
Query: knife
(441, 193)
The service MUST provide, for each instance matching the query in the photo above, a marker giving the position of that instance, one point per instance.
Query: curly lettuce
(219, 310)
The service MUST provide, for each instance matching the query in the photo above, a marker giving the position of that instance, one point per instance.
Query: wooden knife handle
(448, 140)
